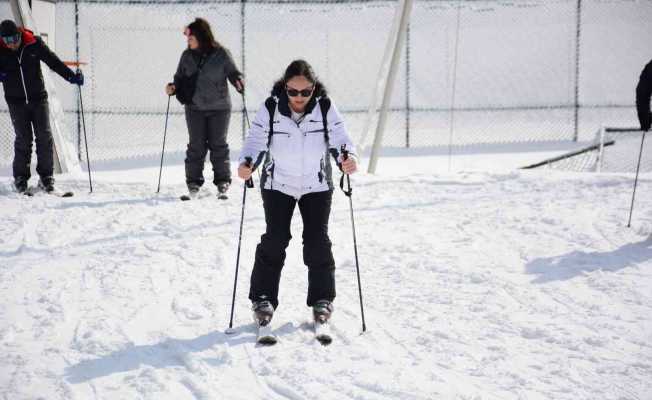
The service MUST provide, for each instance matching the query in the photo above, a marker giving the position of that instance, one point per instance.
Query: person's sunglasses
(294, 93)
(11, 39)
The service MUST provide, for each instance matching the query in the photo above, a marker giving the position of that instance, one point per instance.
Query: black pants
(207, 130)
(36, 114)
(317, 255)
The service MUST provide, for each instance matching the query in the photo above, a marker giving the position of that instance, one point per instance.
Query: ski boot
(20, 184)
(222, 188)
(263, 311)
(46, 184)
(322, 310)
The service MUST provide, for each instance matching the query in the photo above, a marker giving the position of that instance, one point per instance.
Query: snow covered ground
(477, 285)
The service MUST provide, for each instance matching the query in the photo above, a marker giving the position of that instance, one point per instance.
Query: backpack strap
(325, 105)
(270, 104)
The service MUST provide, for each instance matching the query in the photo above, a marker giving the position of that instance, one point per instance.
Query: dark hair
(299, 68)
(201, 29)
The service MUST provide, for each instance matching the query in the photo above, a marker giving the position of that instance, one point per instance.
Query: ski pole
(244, 108)
(638, 166)
(88, 158)
(248, 183)
(348, 193)
(246, 115)
(165, 131)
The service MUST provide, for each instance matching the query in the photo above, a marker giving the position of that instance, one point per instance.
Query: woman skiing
(200, 84)
(297, 129)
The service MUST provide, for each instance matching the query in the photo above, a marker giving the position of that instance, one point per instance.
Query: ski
(222, 196)
(264, 335)
(189, 196)
(32, 191)
(60, 194)
(323, 333)
(194, 196)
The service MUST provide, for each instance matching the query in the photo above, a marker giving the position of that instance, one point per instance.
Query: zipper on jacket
(303, 155)
(22, 75)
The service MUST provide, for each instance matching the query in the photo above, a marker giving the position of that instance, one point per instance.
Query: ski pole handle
(249, 182)
(345, 156)
(345, 152)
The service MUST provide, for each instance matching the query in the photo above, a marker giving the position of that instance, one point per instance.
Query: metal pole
(248, 183)
(237, 261)
(88, 158)
(245, 114)
(578, 32)
(79, 151)
(349, 193)
(165, 131)
(638, 166)
(454, 89)
(242, 45)
(355, 251)
(382, 119)
(407, 87)
(381, 81)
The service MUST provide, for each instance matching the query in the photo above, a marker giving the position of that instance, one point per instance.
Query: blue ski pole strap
(345, 156)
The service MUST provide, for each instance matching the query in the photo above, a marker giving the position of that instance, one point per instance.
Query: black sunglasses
(13, 39)
(304, 93)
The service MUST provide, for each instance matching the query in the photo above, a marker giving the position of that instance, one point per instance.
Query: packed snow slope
(476, 285)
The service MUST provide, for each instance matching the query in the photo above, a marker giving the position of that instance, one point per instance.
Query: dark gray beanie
(8, 28)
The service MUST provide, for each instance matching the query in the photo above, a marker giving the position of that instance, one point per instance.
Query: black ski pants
(317, 255)
(32, 120)
(207, 131)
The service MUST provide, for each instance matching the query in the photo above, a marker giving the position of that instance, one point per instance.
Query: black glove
(646, 122)
(3, 76)
(77, 79)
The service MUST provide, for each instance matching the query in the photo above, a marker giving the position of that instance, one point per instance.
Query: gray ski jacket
(211, 91)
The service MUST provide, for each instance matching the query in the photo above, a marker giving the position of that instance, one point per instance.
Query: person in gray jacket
(200, 83)
(297, 129)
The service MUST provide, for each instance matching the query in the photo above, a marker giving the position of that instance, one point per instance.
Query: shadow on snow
(575, 263)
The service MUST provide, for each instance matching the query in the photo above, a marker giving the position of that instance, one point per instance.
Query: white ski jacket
(297, 161)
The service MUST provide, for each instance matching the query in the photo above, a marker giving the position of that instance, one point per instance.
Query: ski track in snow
(477, 286)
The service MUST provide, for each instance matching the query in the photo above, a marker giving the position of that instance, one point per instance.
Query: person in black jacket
(21, 53)
(643, 93)
(200, 83)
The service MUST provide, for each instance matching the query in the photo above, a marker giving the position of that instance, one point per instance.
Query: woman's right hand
(244, 171)
(170, 89)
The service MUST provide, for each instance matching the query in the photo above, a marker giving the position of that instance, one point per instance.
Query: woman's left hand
(239, 85)
(349, 165)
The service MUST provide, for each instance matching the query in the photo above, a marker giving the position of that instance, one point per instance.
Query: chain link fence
(472, 72)
(6, 128)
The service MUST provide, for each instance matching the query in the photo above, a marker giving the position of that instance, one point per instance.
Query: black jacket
(643, 92)
(23, 68)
